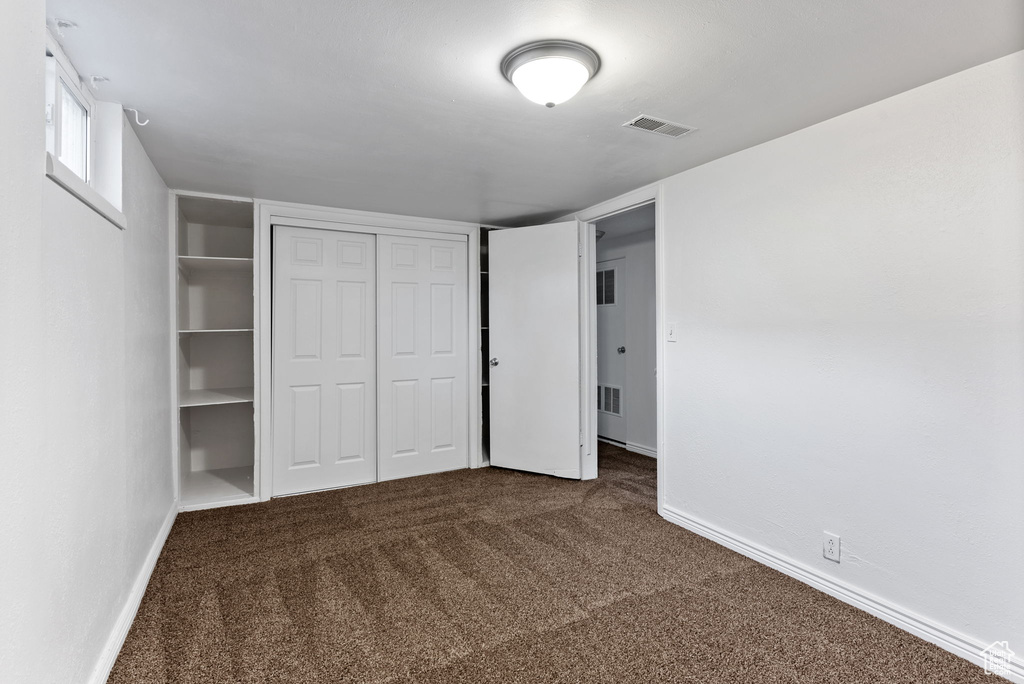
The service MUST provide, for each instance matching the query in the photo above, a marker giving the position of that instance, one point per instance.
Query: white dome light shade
(550, 80)
(551, 71)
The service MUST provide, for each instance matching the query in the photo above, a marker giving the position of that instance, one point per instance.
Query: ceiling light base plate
(550, 48)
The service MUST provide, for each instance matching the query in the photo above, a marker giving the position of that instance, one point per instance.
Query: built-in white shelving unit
(193, 264)
(216, 333)
(213, 397)
(204, 488)
(485, 344)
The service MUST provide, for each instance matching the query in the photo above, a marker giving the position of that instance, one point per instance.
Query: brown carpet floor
(493, 576)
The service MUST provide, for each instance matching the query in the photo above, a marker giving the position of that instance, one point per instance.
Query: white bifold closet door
(370, 358)
(423, 409)
(324, 359)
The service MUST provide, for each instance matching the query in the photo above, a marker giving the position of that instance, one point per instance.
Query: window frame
(102, 188)
(60, 73)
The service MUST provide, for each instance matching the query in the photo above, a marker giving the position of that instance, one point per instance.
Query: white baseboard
(956, 643)
(124, 622)
(630, 446)
(641, 449)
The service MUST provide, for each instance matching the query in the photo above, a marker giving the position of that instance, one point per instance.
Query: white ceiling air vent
(652, 125)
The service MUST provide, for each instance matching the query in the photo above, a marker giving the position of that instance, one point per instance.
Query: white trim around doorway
(631, 200)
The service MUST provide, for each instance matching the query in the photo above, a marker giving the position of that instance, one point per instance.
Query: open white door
(536, 324)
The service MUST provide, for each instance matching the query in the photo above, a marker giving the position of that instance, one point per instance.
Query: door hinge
(579, 249)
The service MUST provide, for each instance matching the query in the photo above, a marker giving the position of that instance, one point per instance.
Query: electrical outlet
(830, 548)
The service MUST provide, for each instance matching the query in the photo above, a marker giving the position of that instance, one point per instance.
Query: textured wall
(82, 545)
(850, 300)
(151, 410)
(23, 492)
(86, 419)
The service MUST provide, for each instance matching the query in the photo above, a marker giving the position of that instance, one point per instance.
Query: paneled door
(611, 350)
(423, 413)
(324, 359)
(535, 325)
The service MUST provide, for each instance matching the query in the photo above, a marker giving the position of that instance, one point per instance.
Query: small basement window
(83, 138)
(69, 110)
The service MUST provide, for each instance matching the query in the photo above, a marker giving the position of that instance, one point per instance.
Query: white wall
(851, 358)
(637, 290)
(22, 394)
(86, 417)
(151, 410)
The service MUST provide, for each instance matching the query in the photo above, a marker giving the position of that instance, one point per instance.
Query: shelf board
(194, 264)
(213, 397)
(228, 331)
(206, 488)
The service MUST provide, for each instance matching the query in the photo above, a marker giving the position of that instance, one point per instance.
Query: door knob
(621, 350)
(494, 362)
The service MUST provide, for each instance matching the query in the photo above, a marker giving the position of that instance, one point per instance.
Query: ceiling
(400, 106)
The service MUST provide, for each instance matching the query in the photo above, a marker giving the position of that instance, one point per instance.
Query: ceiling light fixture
(549, 72)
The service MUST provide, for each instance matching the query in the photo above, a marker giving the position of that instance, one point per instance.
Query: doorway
(626, 331)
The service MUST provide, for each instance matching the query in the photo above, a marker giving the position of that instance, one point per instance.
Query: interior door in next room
(611, 351)
(424, 357)
(324, 360)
